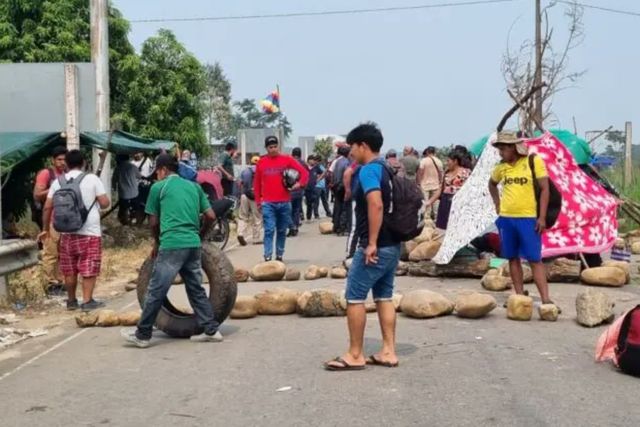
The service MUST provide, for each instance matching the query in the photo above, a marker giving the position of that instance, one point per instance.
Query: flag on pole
(271, 104)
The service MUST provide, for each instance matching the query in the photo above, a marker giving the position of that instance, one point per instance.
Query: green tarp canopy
(576, 145)
(16, 147)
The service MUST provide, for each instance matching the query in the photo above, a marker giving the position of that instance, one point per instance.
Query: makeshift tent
(578, 147)
(16, 147)
(587, 222)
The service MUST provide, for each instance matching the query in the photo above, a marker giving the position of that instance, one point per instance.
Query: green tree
(248, 115)
(55, 31)
(59, 31)
(324, 148)
(163, 96)
(217, 104)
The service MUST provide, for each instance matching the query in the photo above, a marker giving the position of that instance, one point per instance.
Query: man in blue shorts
(375, 261)
(520, 222)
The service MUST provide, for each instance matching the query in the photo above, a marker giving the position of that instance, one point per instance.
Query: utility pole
(538, 75)
(628, 156)
(100, 59)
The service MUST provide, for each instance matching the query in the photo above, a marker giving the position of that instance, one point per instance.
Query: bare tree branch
(518, 64)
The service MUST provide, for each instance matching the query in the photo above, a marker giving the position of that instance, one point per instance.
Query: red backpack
(628, 349)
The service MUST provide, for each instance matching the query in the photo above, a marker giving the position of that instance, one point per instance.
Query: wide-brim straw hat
(511, 138)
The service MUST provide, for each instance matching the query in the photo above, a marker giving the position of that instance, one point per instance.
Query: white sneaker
(217, 337)
(130, 336)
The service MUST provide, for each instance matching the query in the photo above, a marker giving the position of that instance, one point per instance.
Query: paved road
(492, 371)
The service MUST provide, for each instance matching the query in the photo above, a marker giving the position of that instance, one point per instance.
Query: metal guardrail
(17, 254)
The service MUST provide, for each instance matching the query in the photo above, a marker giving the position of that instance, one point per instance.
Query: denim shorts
(377, 277)
(519, 239)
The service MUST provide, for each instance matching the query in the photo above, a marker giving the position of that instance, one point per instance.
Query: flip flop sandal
(372, 360)
(344, 366)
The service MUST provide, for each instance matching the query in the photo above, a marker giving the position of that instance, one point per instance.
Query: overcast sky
(427, 77)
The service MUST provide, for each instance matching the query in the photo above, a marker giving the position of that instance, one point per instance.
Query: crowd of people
(276, 193)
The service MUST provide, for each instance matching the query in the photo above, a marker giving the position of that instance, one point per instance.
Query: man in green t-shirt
(226, 168)
(174, 207)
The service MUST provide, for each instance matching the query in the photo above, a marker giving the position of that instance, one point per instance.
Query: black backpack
(628, 348)
(69, 211)
(403, 218)
(555, 198)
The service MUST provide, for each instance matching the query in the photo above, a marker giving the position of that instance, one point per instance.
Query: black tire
(222, 294)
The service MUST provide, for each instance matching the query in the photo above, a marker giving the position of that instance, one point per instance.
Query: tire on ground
(222, 294)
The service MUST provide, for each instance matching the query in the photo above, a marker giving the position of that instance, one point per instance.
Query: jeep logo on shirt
(518, 180)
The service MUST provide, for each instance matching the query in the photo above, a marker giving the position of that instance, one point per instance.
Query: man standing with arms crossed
(273, 199)
(374, 263)
(174, 207)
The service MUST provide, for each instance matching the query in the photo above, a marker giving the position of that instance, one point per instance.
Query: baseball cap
(166, 160)
(270, 140)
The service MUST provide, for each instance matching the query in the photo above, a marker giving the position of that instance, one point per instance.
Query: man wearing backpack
(374, 263)
(174, 207)
(74, 202)
(248, 215)
(44, 179)
(519, 224)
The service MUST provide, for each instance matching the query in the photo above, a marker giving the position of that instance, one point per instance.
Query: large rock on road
(423, 304)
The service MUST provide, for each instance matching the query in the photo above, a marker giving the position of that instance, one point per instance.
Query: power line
(325, 13)
(602, 8)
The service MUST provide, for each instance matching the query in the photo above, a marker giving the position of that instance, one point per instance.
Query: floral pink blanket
(587, 222)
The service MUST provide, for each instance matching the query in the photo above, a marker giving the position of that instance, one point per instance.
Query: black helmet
(290, 177)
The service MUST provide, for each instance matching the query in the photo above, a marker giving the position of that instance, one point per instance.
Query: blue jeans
(276, 217)
(296, 211)
(168, 264)
(378, 277)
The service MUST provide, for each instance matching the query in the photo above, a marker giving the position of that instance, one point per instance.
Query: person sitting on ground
(273, 199)
(410, 162)
(174, 208)
(375, 262)
(396, 165)
(80, 251)
(226, 168)
(127, 177)
(519, 225)
(429, 178)
(454, 178)
(44, 179)
(248, 215)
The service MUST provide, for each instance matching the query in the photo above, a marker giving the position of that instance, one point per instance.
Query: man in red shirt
(273, 199)
(44, 179)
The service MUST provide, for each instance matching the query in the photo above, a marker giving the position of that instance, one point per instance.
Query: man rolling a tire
(174, 207)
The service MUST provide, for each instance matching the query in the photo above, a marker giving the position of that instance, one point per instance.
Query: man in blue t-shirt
(375, 261)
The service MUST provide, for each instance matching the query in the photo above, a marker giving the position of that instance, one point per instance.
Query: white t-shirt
(91, 187)
(147, 166)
